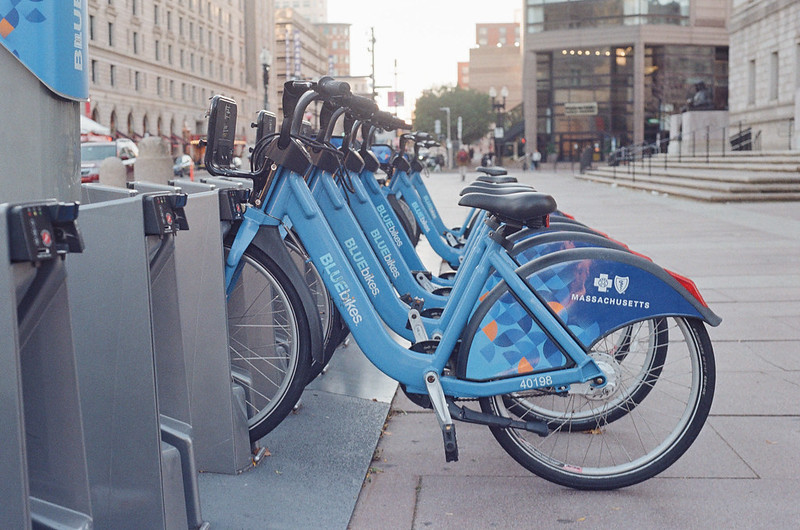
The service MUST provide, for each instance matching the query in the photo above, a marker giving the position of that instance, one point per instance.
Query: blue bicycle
(550, 353)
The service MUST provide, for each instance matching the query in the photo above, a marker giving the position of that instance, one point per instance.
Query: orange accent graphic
(484, 295)
(555, 306)
(524, 366)
(491, 330)
(5, 28)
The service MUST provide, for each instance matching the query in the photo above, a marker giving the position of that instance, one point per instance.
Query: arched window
(159, 127)
(145, 125)
(112, 122)
(130, 124)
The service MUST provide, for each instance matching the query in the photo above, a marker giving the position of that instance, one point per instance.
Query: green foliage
(475, 109)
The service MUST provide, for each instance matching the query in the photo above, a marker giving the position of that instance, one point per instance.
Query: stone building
(154, 64)
(606, 73)
(337, 36)
(765, 71)
(300, 53)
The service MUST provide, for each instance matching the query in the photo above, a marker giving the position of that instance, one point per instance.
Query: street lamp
(266, 59)
(499, 108)
(449, 143)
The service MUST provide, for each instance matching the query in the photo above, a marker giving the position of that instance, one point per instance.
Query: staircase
(735, 177)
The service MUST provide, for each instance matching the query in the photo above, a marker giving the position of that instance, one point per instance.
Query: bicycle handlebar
(328, 87)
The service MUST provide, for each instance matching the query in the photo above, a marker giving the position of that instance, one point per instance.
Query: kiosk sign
(49, 39)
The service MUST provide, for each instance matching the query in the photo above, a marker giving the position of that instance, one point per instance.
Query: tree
(474, 107)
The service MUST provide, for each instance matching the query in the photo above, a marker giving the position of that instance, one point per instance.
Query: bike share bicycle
(563, 326)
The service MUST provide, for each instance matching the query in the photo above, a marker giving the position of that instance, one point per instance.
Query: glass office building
(608, 73)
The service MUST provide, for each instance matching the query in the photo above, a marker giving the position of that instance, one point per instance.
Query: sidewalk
(744, 469)
(742, 472)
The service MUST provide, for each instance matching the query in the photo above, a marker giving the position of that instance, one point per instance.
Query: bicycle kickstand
(440, 407)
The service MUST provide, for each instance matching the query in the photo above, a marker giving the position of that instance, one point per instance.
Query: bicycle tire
(406, 217)
(330, 317)
(269, 340)
(638, 445)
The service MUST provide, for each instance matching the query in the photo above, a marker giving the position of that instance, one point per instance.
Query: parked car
(183, 166)
(93, 154)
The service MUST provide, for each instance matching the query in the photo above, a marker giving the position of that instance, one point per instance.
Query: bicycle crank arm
(472, 416)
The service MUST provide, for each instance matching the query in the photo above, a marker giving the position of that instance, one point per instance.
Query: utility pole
(449, 142)
(372, 55)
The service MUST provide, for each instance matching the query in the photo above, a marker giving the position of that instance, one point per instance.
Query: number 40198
(536, 382)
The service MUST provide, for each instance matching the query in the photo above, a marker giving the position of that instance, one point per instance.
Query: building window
(169, 20)
(191, 61)
(156, 20)
(91, 27)
(136, 81)
(158, 85)
(158, 50)
(112, 75)
(181, 58)
(180, 26)
(110, 33)
(135, 42)
(94, 71)
(751, 82)
(135, 7)
(773, 76)
(183, 91)
(172, 89)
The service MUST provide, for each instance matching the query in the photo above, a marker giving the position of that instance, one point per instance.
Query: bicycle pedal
(450, 443)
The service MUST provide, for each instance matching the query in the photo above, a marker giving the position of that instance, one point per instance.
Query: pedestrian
(462, 159)
(537, 157)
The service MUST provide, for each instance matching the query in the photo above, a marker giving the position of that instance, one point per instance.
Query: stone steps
(741, 177)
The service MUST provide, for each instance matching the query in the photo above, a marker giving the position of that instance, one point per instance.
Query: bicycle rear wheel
(649, 436)
(269, 340)
(634, 353)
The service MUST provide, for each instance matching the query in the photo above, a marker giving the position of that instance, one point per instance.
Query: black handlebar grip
(421, 136)
(362, 106)
(397, 123)
(383, 120)
(329, 87)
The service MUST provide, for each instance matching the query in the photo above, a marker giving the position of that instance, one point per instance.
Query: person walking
(462, 159)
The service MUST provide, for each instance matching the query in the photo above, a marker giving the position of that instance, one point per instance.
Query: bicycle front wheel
(269, 341)
(606, 451)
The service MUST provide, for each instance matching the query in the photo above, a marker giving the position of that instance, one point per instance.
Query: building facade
(314, 11)
(607, 73)
(765, 71)
(154, 64)
(337, 37)
(300, 53)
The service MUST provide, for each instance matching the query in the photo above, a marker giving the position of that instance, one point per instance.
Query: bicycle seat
(495, 171)
(520, 209)
(496, 189)
(502, 179)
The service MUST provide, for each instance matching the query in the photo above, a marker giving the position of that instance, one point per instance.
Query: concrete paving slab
(754, 393)
(768, 444)
(504, 502)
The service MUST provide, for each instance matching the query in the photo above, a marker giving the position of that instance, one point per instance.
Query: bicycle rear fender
(592, 291)
(269, 240)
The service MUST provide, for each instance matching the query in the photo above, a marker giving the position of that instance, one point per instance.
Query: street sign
(580, 109)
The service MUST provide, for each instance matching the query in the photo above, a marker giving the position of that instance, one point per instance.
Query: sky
(426, 37)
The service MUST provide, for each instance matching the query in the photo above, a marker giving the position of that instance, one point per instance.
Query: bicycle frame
(290, 198)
